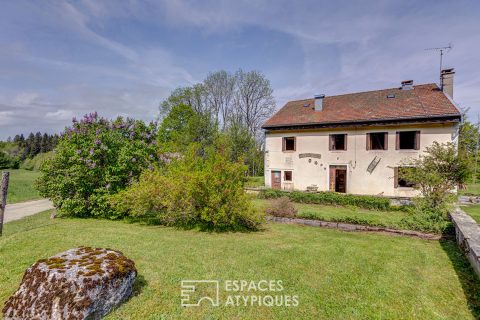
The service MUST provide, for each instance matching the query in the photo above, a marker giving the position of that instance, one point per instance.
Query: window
(408, 140)
(401, 179)
(289, 144)
(377, 141)
(338, 142)
(287, 176)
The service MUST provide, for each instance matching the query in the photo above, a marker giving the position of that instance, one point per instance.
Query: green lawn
(472, 188)
(20, 187)
(337, 275)
(389, 219)
(255, 182)
(473, 211)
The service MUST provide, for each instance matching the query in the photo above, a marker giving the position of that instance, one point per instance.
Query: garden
(337, 275)
(171, 197)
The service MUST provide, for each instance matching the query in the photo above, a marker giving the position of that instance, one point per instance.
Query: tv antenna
(442, 51)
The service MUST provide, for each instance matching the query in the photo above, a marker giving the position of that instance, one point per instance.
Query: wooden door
(341, 180)
(338, 179)
(276, 179)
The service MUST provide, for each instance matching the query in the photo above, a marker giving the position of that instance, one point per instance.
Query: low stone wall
(467, 232)
(468, 200)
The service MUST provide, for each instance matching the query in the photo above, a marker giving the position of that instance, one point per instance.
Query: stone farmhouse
(358, 143)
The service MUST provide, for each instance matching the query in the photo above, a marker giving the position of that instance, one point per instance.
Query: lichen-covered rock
(81, 283)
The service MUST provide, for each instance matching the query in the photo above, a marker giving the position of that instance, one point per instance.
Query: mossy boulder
(81, 283)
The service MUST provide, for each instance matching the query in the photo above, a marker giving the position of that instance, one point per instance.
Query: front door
(276, 179)
(338, 178)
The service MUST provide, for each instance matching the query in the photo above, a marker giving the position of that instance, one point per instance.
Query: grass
(472, 189)
(20, 187)
(336, 275)
(473, 211)
(388, 219)
(255, 182)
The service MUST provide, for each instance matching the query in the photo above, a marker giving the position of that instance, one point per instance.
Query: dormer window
(289, 144)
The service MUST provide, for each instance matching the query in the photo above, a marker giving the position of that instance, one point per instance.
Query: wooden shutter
(397, 141)
(395, 177)
(385, 141)
(417, 140)
(283, 144)
(294, 143)
(369, 142)
(330, 142)
(345, 142)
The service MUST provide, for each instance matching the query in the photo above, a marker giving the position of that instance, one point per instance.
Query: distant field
(21, 185)
(255, 182)
(472, 188)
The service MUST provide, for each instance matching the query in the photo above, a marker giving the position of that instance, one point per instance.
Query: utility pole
(3, 197)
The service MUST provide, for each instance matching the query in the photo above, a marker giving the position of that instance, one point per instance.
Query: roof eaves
(436, 118)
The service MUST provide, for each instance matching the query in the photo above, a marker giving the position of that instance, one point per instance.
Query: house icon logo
(194, 292)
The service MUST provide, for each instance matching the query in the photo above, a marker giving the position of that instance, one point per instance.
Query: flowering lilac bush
(94, 159)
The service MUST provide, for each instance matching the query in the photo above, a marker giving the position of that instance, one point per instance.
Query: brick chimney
(319, 102)
(446, 81)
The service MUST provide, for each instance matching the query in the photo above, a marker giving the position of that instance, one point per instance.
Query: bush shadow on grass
(468, 279)
(155, 221)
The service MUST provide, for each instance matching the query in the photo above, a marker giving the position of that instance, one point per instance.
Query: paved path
(17, 211)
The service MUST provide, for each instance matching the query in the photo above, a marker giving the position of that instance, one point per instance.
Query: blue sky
(60, 59)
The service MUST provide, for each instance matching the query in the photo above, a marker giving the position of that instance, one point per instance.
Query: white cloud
(61, 114)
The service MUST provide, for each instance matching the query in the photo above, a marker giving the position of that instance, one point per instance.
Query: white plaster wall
(356, 157)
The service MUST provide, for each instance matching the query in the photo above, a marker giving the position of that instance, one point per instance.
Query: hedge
(332, 198)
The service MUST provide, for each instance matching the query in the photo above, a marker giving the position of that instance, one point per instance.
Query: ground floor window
(287, 175)
(401, 179)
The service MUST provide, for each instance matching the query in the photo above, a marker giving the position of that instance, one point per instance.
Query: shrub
(94, 159)
(282, 207)
(424, 217)
(36, 162)
(7, 161)
(436, 173)
(193, 191)
(330, 198)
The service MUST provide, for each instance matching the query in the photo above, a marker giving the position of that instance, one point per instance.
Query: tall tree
(183, 126)
(254, 102)
(220, 88)
(468, 141)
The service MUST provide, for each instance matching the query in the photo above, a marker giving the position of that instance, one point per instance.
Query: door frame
(345, 167)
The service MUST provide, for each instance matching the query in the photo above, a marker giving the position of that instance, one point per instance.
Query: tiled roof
(422, 102)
